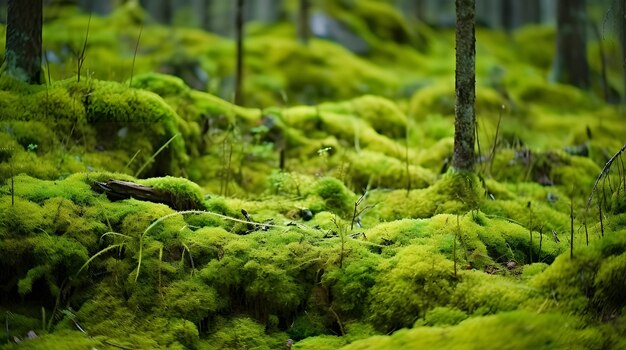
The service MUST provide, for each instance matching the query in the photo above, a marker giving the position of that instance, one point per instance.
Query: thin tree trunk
(23, 40)
(240, 55)
(465, 85)
(622, 35)
(570, 66)
(303, 21)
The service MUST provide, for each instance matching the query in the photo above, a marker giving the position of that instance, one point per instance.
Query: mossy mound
(517, 330)
(324, 217)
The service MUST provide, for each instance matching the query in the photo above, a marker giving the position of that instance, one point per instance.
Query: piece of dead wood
(118, 190)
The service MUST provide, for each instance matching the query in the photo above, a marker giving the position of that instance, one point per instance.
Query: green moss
(383, 115)
(591, 283)
(61, 340)
(439, 100)
(563, 98)
(242, 333)
(161, 84)
(536, 45)
(482, 294)
(516, 330)
(409, 284)
(306, 326)
(443, 316)
(372, 169)
(335, 197)
(351, 285)
(322, 342)
(191, 300)
(185, 194)
(74, 188)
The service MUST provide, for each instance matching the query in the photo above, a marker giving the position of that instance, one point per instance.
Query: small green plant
(132, 68)
(342, 231)
(324, 153)
(81, 55)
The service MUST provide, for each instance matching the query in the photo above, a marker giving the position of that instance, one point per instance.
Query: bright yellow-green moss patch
(516, 330)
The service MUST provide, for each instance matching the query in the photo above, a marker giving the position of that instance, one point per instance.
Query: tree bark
(23, 40)
(621, 25)
(570, 65)
(465, 85)
(239, 22)
(303, 21)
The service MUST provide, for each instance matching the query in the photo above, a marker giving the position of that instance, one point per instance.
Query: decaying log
(118, 190)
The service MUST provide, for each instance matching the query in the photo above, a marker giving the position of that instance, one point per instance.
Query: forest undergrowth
(320, 215)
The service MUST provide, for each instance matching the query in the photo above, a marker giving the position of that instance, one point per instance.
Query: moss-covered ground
(325, 215)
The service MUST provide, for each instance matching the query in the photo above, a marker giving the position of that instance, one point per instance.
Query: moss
(439, 100)
(443, 316)
(351, 285)
(536, 45)
(108, 318)
(517, 330)
(58, 341)
(20, 218)
(73, 188)
(190, 300)
(453, 193)
(482, 294)
(409, 284)
(184, 193)
(549, 96)
(242, 333)
(322, 342)
(592, 282)
(383, 115)
(335, 196)
(372, 169)
(306, 326)
(161, 84)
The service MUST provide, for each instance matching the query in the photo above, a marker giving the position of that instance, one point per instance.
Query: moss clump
(536, 45)
(382, 114)
(372, 169)
(549, 96)
(184, 194)
(409, 284)
(444, 316)
(335, 196)
(191, 300)
(243, 333)
(60, 340)
(593, 282)
(517, 330)
(321, 342)
(439, 100)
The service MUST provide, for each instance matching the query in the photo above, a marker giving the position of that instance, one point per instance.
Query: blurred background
(311, 51)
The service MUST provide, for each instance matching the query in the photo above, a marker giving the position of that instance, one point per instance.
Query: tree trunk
(570, 65)
(621, 25)
(465, 85)
(239, 37)
(23, 40)
(303, 21)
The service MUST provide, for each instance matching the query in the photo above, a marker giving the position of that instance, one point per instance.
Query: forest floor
(322, 214)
